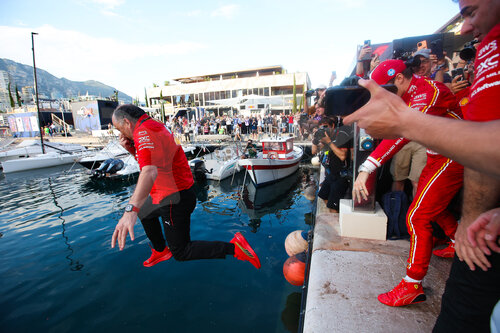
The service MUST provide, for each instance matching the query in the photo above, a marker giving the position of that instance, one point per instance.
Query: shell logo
(464, 101)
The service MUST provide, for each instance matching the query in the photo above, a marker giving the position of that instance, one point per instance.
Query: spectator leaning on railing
(470, 294)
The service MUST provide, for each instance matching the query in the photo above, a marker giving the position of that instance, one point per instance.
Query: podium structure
(364, 219)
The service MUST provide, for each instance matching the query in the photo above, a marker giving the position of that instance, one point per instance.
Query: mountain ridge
(54, 87)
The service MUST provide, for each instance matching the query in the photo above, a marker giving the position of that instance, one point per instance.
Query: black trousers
(175, 212)
(469, 297)
(333, 189)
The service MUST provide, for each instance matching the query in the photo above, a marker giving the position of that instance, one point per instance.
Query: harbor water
(59, 273)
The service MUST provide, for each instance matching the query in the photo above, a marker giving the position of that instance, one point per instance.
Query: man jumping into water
(164, 189)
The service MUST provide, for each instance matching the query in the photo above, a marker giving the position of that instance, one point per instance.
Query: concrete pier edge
(347, 274)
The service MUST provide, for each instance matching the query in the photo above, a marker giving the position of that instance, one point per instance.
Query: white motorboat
(41, 161)
(221, 163)
(112, 150)
(29, 148)
(279, 159)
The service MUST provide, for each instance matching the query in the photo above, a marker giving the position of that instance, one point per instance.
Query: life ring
(273, 155)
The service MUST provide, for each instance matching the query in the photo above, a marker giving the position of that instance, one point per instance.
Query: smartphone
(367, 56)
(437, 48)
(422, 45)
(342, 101)
(458, 71)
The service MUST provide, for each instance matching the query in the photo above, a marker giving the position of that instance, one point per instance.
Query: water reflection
(73, 264)
(276, 199)
(291, 312)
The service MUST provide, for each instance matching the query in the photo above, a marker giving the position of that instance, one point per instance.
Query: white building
(4, 91)
(261, 90)
(27, 94)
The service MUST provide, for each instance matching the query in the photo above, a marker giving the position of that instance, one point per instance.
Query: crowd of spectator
(236, 126)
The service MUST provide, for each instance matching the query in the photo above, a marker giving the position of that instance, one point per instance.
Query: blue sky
(131, 44)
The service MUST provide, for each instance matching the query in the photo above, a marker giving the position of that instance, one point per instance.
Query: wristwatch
(131, 208)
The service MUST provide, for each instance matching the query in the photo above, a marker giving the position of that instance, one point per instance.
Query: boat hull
(37, 162)
(264, 171)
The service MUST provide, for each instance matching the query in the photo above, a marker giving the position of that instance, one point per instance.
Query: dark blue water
(58, 272)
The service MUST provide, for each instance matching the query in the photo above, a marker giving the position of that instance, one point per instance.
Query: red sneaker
(404, 293)
(447, 252)
(438, 241)
(157, 257)
(243, 250)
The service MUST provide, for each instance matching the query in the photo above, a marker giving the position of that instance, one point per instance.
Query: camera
(320, 134)
(469, 51)
(401, 54)
(342, 101)
(303, 118)
(310, 92)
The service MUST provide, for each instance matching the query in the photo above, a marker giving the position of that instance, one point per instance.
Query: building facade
(246, 92)
(5, 79)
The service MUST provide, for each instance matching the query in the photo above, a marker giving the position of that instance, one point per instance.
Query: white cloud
(227, 11)
(109, 13)
(347, 3)
(107, 7)
(111, 4)
(79, 57)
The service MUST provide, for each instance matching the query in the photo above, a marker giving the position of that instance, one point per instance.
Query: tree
(146, 98)
(155, 85)
(294, 107)
(18, 97)
(12, 104)
(115, 96)
(166, 83)
(162, 108)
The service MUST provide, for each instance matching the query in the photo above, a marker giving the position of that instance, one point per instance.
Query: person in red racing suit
(440, 180)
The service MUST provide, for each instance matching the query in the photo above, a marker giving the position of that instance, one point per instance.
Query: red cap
(387, 70)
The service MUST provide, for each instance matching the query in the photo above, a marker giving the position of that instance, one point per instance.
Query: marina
(60, 274)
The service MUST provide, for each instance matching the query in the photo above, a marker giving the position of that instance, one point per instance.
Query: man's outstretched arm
(472, 144)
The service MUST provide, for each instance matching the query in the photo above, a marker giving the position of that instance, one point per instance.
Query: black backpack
(396, 206)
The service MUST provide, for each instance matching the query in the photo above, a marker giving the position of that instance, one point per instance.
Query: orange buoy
(296, 242)
(294, 269)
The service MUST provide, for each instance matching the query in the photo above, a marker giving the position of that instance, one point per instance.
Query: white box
(362, 224)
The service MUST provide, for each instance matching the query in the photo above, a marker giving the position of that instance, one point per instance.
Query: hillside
(53, 87)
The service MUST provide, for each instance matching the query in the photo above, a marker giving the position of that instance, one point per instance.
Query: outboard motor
(109, 166)
(198, 169)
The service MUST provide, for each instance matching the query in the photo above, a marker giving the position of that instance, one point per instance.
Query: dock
(347, 274)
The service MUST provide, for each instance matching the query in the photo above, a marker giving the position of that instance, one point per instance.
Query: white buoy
(296, 242)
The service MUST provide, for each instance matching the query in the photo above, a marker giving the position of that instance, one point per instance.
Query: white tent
(252, 100)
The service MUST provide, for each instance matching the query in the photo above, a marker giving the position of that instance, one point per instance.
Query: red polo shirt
(155, 145)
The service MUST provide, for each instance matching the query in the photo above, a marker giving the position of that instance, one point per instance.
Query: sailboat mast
(36, 93)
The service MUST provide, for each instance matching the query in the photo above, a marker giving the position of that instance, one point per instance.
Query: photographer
(250, 150)
(336, 161)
